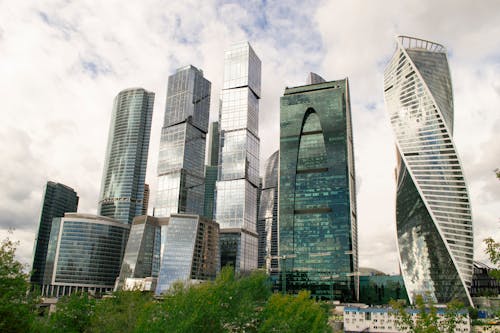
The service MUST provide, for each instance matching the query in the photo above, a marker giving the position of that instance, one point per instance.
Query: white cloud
(62, 63)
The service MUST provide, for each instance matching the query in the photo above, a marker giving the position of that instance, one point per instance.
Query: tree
(229, 304)
(288, 313)
(120, 312)
(17, 303)
(424, 318)
(493, 251)
(73, 314)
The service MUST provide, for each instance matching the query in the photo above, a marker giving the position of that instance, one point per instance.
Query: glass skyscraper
(142, 254)
(181, 247)
(267, 223)
(122, 188)
(238, 178)
(84, 254)
(57, 200)
(211, 170)
(317, 200)
(433, 214)
(177, 244)
(189, 250)
(181, 161)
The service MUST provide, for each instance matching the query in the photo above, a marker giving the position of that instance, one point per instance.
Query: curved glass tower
(122, 188)
(267, 223)
(433, 216)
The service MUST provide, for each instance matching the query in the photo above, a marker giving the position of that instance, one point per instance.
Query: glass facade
(267, 223)
(142, 254)
(122, 188)
(189, 250)
(84, 253)
(238, 178)
(381, 289)
(433, 216)
(317, 200)
(57, 200)
(210, 180)
(181, 160)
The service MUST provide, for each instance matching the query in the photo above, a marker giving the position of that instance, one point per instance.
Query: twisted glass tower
(433, 215)
(238, 178)
(122, 188)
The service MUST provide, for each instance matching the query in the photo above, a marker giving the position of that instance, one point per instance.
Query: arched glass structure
(317, 201)
(433, 215)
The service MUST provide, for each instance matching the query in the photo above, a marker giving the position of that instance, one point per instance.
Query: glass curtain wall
(433, 214)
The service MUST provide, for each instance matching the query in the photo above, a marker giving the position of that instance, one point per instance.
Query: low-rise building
(384, 320)
(84, 254)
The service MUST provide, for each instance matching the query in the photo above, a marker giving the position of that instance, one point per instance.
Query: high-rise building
(211, 170)
(84, 254)
(238, 178)
(145, 200)
(177, 244)
(190, 250)
(162, 250)
(142, 254)
(317, 199)
(58, 199)
(433, 216)
(267, 223)
(122, 188)
(182, 147)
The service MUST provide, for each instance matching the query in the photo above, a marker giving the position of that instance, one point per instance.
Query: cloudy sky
(63, 62)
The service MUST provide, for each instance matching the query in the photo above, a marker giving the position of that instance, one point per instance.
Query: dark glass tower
(433, 214)
(181, 162)
(317, 201)
(57, 200)
(267, 223)
(122, 188)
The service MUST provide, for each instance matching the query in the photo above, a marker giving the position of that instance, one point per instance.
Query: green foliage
(493, 251)
(287, 313)
(17, 303)
(473, 312)
(120, 312)
(73, 314)
(427, 319)
(229, 304)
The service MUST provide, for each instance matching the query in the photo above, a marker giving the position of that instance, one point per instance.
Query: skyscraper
(433, 216)
(211, 170)
(238, 179)
(267, 223)
(190, 250)
(57, 200)
(317, 199)
(177, 244)
(122, 188)
(145, 200)
(182, 147)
